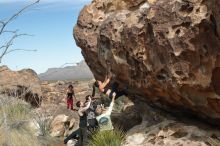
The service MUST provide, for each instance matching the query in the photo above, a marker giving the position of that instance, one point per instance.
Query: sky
(51, 25)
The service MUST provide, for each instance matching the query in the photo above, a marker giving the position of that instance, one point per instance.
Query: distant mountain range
(80, 71)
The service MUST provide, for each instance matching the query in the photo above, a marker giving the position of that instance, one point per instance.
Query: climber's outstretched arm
(109, 111)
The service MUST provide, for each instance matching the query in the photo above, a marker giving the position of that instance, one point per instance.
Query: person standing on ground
(70, 96)
(103, 118)
(91, 116)
(83, 120)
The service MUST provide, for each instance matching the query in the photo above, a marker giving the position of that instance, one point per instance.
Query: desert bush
(44, 123)
(17, 137)
(213, 142)
(14, 116)
(17, 112)
(107, 138)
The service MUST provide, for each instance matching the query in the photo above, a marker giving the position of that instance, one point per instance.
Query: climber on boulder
(102, 87)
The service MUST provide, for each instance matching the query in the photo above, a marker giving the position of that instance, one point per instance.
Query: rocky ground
(159, 128)
(147, 124)
(54, 103)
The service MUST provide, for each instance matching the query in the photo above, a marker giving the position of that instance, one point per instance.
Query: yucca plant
(213, 142)
(107, 138)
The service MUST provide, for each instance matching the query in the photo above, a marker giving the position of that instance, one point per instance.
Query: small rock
(71, 143)
(135, 139)
(57, 125)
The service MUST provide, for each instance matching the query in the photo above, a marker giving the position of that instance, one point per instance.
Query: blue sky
(51, 22)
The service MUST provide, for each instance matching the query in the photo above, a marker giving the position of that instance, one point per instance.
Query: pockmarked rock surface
(170, 133)
(166, 51)
(23, 84)
(158, 128)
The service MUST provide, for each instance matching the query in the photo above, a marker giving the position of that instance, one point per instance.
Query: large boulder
(166, 51)
(23, 84)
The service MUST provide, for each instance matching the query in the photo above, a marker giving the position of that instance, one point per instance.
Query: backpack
(103, 121)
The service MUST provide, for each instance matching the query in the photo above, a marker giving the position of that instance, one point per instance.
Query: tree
(6, 47)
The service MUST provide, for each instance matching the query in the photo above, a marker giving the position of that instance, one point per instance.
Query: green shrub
(213, 142)
(107, 138)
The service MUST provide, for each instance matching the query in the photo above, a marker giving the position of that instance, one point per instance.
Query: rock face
(167, 52)
(159, 128)
(23, 84)
(170, 133)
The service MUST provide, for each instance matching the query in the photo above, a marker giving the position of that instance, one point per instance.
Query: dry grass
(17, 137)
(14, 116)
(15, 129)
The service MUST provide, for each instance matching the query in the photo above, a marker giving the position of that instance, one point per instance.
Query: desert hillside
(80, 71)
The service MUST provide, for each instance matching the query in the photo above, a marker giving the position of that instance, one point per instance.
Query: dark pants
(80, 134)
(74, 135)
(83, 138)
(114, 89)
(93, 125)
